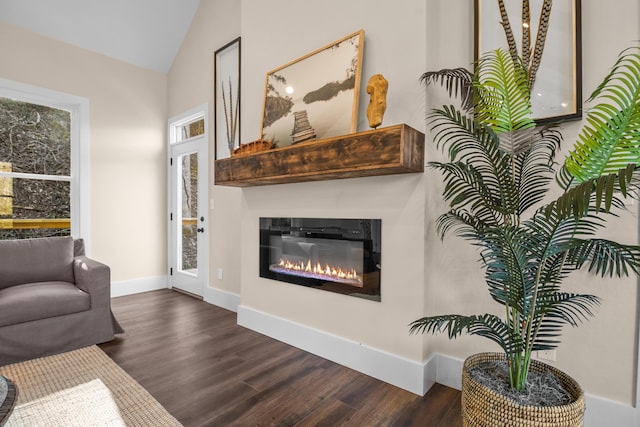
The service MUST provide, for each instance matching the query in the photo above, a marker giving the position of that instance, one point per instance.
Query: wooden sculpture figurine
(377, 89)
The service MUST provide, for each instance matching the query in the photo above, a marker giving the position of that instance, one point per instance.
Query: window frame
(79, 179)
(186, 118)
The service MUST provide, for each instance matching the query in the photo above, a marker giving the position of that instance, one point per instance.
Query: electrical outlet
(219, 274)
(549, 355)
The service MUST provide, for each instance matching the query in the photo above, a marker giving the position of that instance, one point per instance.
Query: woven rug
(81, 388)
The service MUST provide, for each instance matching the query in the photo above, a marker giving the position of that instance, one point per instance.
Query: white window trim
(79, 109)
(199, 112)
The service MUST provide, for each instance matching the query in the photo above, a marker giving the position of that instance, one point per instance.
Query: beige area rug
(81, 388)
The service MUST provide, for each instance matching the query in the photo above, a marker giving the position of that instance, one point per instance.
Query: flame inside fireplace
(317, 271)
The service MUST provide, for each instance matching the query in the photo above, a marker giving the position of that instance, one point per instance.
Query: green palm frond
(605, 257)
(486, 325)
(533, 167)
(547, 333)
(556, 310)
(598, 193)
(503, 100)
(554, 269)
(509, 272)
(467, 187)
(552, 235)
(564, 179)
(460, 134)
(562, 308)
(477, 148)
(611, 138)
(540, 254)
(464, 184)
(562, 245)
(466, 225)
(457, 81)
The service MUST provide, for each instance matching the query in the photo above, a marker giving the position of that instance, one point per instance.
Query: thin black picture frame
(226, 99)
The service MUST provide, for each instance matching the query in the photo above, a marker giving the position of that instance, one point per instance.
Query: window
(40, 163)
(188, 129)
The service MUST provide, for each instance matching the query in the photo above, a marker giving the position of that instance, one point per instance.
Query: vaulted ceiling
(147, 33)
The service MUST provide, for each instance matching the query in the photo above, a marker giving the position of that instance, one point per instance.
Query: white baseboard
(387, 367)
(136, 286)
(449, 371)
(222, 298)
(401, 372)
(605, 412)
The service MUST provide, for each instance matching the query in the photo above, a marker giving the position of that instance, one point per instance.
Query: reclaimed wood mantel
(390, 150)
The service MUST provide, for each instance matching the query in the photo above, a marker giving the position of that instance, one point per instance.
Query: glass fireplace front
(337, 255)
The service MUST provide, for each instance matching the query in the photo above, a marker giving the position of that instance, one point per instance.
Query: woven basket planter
(482, 407)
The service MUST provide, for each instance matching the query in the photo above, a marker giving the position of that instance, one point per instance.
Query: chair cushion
(34, 301)
(48, 259)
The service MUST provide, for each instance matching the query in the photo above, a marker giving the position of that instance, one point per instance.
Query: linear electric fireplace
(337, 255)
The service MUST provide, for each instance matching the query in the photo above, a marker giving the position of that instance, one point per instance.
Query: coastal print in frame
(557, 92)
(316, 96)
(227, 99)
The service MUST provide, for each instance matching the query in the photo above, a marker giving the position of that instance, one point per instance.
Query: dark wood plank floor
(208, 371)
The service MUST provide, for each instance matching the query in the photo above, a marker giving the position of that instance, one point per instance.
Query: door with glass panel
(188, 252)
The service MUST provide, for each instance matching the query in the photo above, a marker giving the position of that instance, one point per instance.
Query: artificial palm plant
(501, 166)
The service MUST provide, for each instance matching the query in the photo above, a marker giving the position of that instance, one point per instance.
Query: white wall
(397, 200)
(396, 51)
(128, 110)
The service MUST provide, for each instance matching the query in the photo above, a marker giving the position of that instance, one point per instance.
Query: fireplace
(336, 255)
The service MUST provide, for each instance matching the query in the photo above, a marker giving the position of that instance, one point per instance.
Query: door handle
(200, 230)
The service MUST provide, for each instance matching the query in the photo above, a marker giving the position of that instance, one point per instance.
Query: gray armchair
(52, 298)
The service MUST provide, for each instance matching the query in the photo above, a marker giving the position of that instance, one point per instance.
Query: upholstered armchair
(52, 298)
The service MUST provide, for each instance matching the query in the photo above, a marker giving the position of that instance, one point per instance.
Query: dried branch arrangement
(230, 115)
(531, 58)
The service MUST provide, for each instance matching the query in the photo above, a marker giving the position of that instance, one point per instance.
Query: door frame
(173, 123)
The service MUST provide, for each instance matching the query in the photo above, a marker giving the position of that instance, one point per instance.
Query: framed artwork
(315, 96)
(557, 90)
(227, 99)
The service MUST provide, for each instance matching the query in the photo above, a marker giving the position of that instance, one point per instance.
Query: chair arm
(92, 277)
